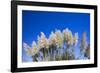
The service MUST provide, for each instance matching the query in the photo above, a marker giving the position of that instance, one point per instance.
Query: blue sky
(33, 22)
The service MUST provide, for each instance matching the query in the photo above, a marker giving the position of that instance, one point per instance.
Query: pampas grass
(59, 46)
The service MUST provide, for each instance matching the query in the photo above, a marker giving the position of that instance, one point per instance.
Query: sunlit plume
(43, 41)
(27, 49)
(75, 39)
(68, 37)
(52, 39)
(34, 48)
(59, 38)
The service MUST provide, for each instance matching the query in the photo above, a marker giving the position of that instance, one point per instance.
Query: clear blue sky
(33, 22)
